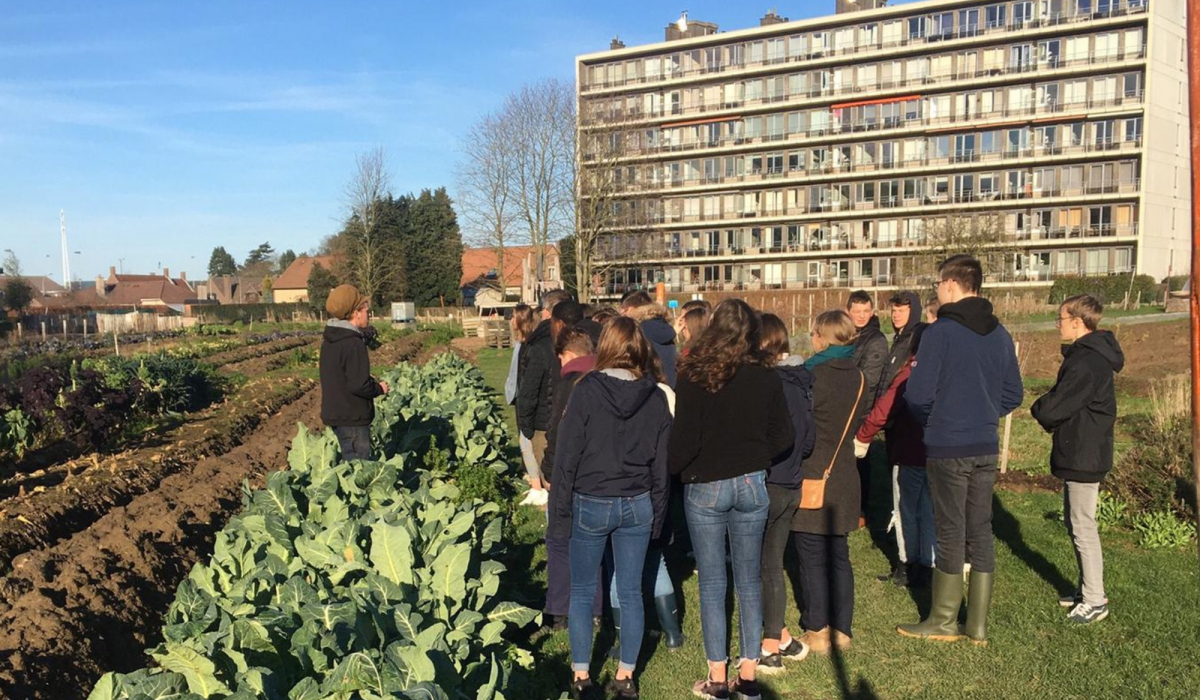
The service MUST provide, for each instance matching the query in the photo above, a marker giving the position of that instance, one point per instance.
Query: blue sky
(167, 128)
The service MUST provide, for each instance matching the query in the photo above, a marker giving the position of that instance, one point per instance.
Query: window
(1023, 12)
(1050, 52)
(995, 16)
(1132, 83)
(916, 28)
(1021, 57)
(796, 161)
(776, 50)
(775, 126)
(942, 25)
(1133, 129)
(968, 22)
(756, 52)
(754, 127)
(775, 164)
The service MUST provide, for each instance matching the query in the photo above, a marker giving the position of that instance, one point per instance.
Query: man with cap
(347, 388)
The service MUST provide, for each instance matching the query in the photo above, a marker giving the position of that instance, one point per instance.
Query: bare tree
(982, 236)
(540, 120)
(371, 256)
(486, 187)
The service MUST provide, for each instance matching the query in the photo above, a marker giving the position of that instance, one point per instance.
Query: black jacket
(592, 328)
(871, 356)
(536, 366)
(1082, 407)
(797, 391)
(347, 387)
(738, 430)
(563, 388)
(902, 342)
(835, 401)
(612, 442)
(661, 335)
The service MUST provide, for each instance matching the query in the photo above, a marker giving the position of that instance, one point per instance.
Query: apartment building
(833, 151)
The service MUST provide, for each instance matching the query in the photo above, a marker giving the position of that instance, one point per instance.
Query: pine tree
(221, 263)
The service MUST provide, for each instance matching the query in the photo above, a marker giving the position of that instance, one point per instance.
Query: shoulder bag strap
(862, 382)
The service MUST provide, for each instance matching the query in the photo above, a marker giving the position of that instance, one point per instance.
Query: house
(46, 292)
(231, 289)
(292, 286)
(161, 292)
(520, 280)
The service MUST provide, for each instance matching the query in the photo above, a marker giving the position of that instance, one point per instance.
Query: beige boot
(840, 640)
(818, 641)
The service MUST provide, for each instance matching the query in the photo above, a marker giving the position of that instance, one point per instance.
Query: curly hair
(730, 340)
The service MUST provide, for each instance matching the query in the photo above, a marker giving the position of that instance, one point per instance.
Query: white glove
(860, 448)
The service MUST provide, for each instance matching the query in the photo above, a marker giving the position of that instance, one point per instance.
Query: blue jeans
(355, 441)
(916, 536)
(654, 577)
(629, 522)
(737, 509)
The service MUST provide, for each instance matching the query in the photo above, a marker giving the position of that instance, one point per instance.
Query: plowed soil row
(250, 352)
(94, 601)
(266, 363)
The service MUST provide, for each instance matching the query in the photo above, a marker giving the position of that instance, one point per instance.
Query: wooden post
(20, 330)
(64, 326)
(1193, 65)
(1008, 425)
(116, 343)
(43, 331)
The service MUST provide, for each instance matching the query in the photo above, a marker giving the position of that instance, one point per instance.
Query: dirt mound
(92, 603)
(1152, 351)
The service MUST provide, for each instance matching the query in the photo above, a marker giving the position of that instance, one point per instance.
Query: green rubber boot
(942, 623)
(979, 599)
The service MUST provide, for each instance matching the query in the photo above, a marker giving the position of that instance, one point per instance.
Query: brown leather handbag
(812, 491)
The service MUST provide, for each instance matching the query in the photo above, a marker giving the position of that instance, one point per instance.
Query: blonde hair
(835, 327)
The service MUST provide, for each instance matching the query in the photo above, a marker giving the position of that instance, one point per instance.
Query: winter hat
(343, 301)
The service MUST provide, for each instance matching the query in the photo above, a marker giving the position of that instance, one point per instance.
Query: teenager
(348, 390)
(870, 345)
(731, 421)
(783, 494)
(965, 380)
(652, 318)
(821, 526)
(905, 309)
(690, 325)
(610, 486)
(912, 509)
(577, 355)
(1080, 410)
(537, 366)
(521, 324)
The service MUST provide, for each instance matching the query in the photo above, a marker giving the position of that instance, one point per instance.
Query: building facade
(847, 149)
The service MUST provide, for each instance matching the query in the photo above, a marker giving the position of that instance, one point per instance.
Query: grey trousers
(961, 490)
(1079, 512)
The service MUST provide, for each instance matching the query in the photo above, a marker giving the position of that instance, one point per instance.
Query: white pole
(1008, 427)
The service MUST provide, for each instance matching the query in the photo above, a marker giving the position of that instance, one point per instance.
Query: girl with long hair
(610, 485)
(731, 421)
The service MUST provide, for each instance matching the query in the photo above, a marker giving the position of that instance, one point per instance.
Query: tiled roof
(477, 262)
(296, 276)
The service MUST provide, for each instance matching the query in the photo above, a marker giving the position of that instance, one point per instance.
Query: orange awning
(886, 100)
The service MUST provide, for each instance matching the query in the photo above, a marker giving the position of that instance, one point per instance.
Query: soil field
(1152, 351)
(91, 598)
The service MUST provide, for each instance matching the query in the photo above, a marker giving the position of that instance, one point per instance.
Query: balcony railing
(610, 117)
(1011, 24)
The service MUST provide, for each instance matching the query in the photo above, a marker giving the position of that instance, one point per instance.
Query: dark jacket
(902, 342)
(905, 434)
(836, 401)
(738, 430)
(965, 379)
(347, 387)
(871, 356)
(661, 335)
(1081, 409)
(612, 442)
(563, 388)
(797, 392)
(535, 367)
(592, 328)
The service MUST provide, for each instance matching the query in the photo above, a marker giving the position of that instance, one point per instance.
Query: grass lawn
(1146, 649)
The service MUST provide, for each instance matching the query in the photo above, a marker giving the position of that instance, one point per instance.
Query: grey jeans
(1079, 512)
(961, 490)
(783, 503)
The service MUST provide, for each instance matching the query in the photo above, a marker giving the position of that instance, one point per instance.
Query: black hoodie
(347, 388)
(798, 392)
(537, 366)
(902, 342)
(871, 355)
(612, 442)
(1081, 409)
(965, 379)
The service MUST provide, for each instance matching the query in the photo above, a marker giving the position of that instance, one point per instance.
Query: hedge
(1110, 289)
(232, 313)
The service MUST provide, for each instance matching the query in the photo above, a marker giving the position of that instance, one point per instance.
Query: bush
(440, 333)
(1176, 283)
(1162, 530)
(246, 313)
(1109, 289)
(1155, 473)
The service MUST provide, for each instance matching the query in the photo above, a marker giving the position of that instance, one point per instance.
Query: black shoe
(585, 690)
(770, 664)
(748, 690)
(919, 576)
(622, 689)
(794, 650)
(708, 689)
(558, 623)
(899, 576)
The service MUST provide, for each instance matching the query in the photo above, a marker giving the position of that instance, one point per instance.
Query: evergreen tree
(261, 254)
(286, 259)
(221, 263)
(320, 283)
(433, 248)
(566, 259)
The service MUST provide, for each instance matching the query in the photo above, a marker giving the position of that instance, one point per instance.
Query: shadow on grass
(1008, 530)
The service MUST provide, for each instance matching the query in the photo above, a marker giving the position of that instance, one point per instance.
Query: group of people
(626, 417)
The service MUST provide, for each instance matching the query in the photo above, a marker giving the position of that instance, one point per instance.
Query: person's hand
(384, 387)
(860, 448)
